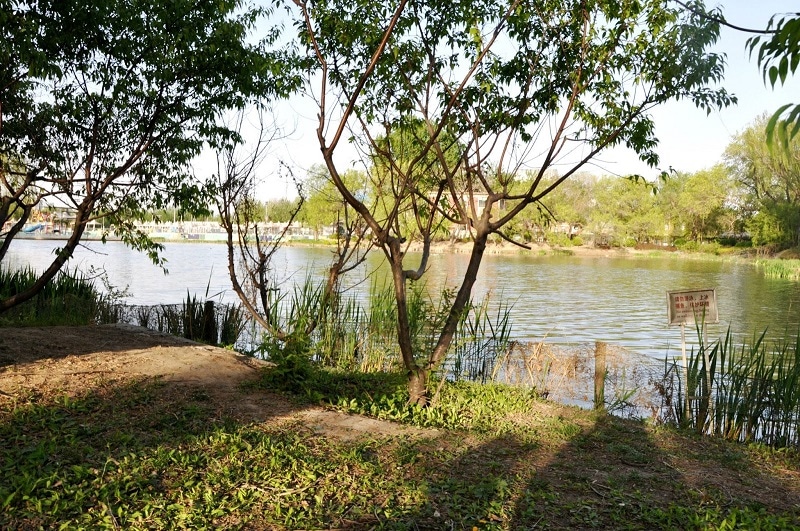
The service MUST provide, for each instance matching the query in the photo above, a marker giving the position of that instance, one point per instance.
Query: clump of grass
(774, 268)
(69, 299)
(195, 319)
(362, 335)
(749, 394)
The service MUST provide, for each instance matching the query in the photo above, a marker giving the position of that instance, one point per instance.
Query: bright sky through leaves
(690, 140)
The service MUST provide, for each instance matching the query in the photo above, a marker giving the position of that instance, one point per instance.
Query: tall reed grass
(774, 268)
(749, 393)
(361, 335)
(69, 299)
(195, 319)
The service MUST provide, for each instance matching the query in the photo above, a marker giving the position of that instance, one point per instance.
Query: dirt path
(67, 359)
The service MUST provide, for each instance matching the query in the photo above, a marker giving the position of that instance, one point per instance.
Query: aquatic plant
(747, 394)
(70, 298)
(773, 268)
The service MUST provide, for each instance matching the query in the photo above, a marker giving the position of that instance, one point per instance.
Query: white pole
(686, 408)
(709, 410)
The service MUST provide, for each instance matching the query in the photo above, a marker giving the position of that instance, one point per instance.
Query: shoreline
(494, 248)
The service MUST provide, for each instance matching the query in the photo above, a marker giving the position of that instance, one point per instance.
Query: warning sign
(692, 306)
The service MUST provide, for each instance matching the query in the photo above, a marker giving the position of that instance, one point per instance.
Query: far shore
(533, 249)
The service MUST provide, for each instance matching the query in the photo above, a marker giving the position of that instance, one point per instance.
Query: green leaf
(783, 69)
(773, 75)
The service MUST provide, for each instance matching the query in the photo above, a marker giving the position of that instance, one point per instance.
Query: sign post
(692, 307)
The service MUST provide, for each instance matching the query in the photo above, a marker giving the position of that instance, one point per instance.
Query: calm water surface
(561, 299)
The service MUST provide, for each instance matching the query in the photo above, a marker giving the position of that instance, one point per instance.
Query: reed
(354, 334)
(69, 299)
(195, 319)
(482, 339)
(775, 268)
(749, 393)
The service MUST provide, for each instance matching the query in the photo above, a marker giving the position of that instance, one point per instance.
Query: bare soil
(68, 359)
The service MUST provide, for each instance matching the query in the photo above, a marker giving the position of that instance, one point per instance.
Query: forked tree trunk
(418, 375)
(462, 298)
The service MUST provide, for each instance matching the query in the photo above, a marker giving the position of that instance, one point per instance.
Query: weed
(69, 299)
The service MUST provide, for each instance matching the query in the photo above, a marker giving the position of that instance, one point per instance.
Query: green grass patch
(150, 455)
(482, 408)
(777, 268)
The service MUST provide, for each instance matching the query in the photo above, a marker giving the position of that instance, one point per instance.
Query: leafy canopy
(105, 104)
(778, 57)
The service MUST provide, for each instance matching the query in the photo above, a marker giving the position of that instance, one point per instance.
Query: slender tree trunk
(460, 302)
(418, 386)
(403, 326)
(418, 375)
(79, 226)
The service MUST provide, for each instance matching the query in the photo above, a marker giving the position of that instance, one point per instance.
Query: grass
(69, 299)
(149, 455)
(195, 319)
(777, 268)
(749, 394)
(355, 335)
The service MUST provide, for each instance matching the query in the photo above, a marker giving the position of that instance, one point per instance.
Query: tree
(455, 98)
(103, 106)
(625, 210)
(778, 58)
(703, 201)
(250, 248)
(697, 205)
(770, 178)
(324, 206)
(280, 210)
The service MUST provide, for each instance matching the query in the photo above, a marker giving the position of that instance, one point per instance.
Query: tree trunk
(461, 300)
(418, 386)
(417, 376)
(85, 209)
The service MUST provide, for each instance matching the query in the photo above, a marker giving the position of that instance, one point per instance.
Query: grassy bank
(148, 455)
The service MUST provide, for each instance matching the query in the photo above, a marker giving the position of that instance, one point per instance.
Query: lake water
(561, 299)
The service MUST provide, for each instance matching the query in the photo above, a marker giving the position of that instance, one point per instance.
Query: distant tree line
(751, 197)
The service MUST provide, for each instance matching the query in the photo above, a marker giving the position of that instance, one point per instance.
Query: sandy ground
(67, 359)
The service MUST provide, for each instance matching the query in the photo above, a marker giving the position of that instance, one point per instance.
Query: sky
(689, 139)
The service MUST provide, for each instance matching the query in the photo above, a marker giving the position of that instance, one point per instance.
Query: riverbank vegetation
(501, 457)
(745, 393)
(70, 298)
(147, 454)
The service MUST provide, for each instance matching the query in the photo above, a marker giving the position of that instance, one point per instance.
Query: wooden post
(209, 334)
(600, 372)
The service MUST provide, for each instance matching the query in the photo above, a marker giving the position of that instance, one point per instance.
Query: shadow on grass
(148, 454)
(607, 474)
(140, 454)
(21, 345)
(552, 467)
